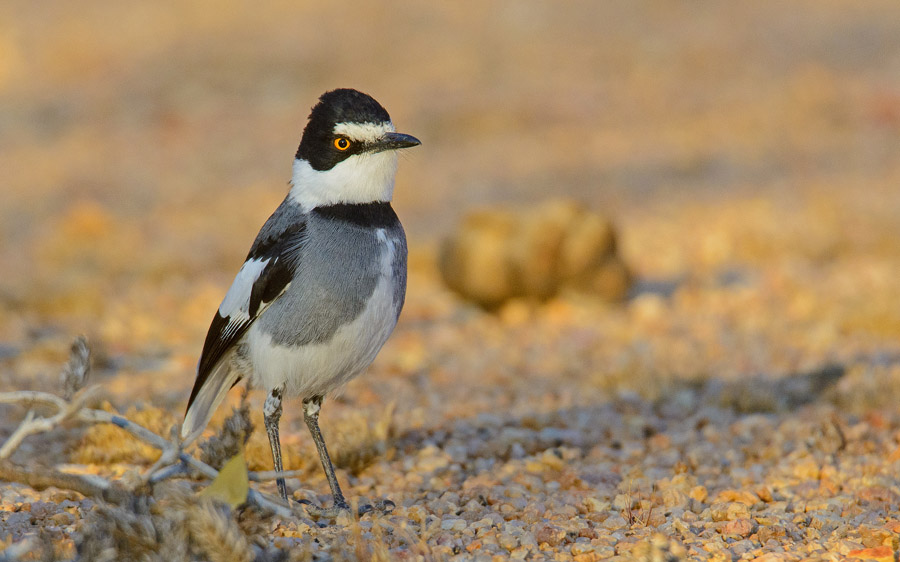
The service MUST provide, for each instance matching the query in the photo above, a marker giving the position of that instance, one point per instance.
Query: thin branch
(267, 475)
(73, 379)
(168, 456)
(41, 478)
(165, 473)
(31, 397)
(26, 428)
(75, 408)
(31, 424)
(260, 500)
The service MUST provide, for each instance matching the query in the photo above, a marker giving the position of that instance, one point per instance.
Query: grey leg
(272, 415)
(311, 407)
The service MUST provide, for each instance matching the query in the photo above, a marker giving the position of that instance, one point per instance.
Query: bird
(324, 282)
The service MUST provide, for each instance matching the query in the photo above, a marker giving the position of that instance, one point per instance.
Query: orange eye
(341, 143)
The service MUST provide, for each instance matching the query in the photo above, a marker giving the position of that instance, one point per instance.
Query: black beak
(394, 141)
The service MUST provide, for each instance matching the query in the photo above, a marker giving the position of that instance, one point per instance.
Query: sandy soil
(741, 404)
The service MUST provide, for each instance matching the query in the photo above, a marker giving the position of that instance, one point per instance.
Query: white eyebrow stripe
(364, 132)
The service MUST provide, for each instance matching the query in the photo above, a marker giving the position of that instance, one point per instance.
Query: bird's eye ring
(341, 143)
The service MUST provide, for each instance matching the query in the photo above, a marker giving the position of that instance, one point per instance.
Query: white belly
(315, 369)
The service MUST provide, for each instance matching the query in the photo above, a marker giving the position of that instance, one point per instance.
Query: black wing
(265, 275)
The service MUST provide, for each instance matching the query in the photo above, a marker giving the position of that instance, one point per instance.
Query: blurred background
(748, 155)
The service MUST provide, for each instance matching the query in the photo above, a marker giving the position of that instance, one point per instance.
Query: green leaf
(232, 484)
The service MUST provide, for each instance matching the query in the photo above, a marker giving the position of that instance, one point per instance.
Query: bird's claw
(383, 507)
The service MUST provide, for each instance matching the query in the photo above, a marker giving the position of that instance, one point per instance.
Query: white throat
(361, 178)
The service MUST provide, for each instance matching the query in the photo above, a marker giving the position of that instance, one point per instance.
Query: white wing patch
(236, 304)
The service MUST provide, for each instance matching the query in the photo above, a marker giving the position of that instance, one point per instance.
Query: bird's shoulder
(284, 231)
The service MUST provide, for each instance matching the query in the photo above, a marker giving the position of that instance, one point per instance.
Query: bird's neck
(362, 178)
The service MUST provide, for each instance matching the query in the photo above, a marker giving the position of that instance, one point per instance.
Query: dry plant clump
(496, 254)
(174, 526)
(77, 370)
(234, 434)
(359, 439)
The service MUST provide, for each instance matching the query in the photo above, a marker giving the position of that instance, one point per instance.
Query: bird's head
(347, 153)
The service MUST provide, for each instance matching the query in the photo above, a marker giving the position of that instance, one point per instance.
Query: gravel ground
(740, 404)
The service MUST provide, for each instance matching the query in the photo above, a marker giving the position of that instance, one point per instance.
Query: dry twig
(40, 478)
(65, 409)
(75, 408)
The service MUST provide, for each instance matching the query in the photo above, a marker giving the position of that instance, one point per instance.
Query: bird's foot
(382, 507)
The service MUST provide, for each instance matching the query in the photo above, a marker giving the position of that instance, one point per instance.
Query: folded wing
(265, 275)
